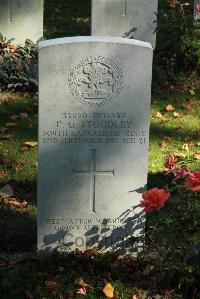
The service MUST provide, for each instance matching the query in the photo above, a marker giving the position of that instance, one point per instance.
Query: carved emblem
(95, 81)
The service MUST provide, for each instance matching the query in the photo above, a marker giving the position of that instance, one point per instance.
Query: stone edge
(85, 39)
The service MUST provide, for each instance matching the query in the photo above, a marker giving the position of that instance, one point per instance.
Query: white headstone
(94, 101)
(125, 18)
(196, 10)
(21, 19)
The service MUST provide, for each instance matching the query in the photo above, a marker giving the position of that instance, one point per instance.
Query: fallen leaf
(23, 115)
(7, 136)
(3, 174)
(134, 297)
(169, 107)
(196, 156)
(187, 106)
(81, 291)
(7, 191)
(11, 125)
(24, 148)
(12, 202)
(192, 92)
(176, 114)
(179, 155)
(51, 285)
(159, 115)
(3, 129)
(163, 144)
(30, 143)
(18, 166)
(60, 269)
(185, 147)
(81, 283)
(14, 117)
(108, 290)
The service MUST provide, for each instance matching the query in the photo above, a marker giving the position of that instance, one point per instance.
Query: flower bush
(172, 227)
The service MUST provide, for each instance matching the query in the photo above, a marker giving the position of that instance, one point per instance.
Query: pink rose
(193, 181)
(170, 161)
(154, 199)
(180, 173)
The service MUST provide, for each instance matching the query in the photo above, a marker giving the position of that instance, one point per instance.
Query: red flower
(180, 173)
(193, 181)
(198, 8)
(154, 199)
(170, 161)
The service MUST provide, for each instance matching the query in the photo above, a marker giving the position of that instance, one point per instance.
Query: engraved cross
(124, 8)
(10, 11)
(93, 173)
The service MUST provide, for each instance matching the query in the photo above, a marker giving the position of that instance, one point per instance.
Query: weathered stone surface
(21, 19)
(94, 99)
(125, 18)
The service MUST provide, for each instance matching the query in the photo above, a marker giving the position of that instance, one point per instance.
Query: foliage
(18, 66)
(173, 232)
(178, 41)
(66, 18)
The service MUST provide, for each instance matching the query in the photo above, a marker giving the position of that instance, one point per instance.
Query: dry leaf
(18, 166)
(172, 3)
(61, 269)
(159, 115)
(30, 143)
(134, 297)
(7, 136)
(81, 291)
(51, 285)
(176, 114)
(7, 191)
(3, 129)
(108, 290)
(196, 156)
(169, 107)
(187, 106)
(24, 148)
(185, 147)
(81, 283)
(23, 115)
(14, 117)
(11, 125)
(3, 174)
(179, 155)
(163, 144)
(192, 92)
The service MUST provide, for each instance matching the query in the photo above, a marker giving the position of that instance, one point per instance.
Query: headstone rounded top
(85, 39)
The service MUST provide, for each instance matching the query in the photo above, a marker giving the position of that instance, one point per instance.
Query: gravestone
(94, 100)
(197, 10)
(21, 19)
(125, 18)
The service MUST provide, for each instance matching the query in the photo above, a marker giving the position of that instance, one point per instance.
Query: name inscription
(83, 128)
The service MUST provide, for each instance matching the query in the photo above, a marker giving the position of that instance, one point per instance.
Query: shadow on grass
(157, 131)
(17, 230)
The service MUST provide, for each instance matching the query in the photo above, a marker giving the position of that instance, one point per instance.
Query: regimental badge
(95, 81)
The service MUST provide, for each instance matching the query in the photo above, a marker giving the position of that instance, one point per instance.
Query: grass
(23, 276)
